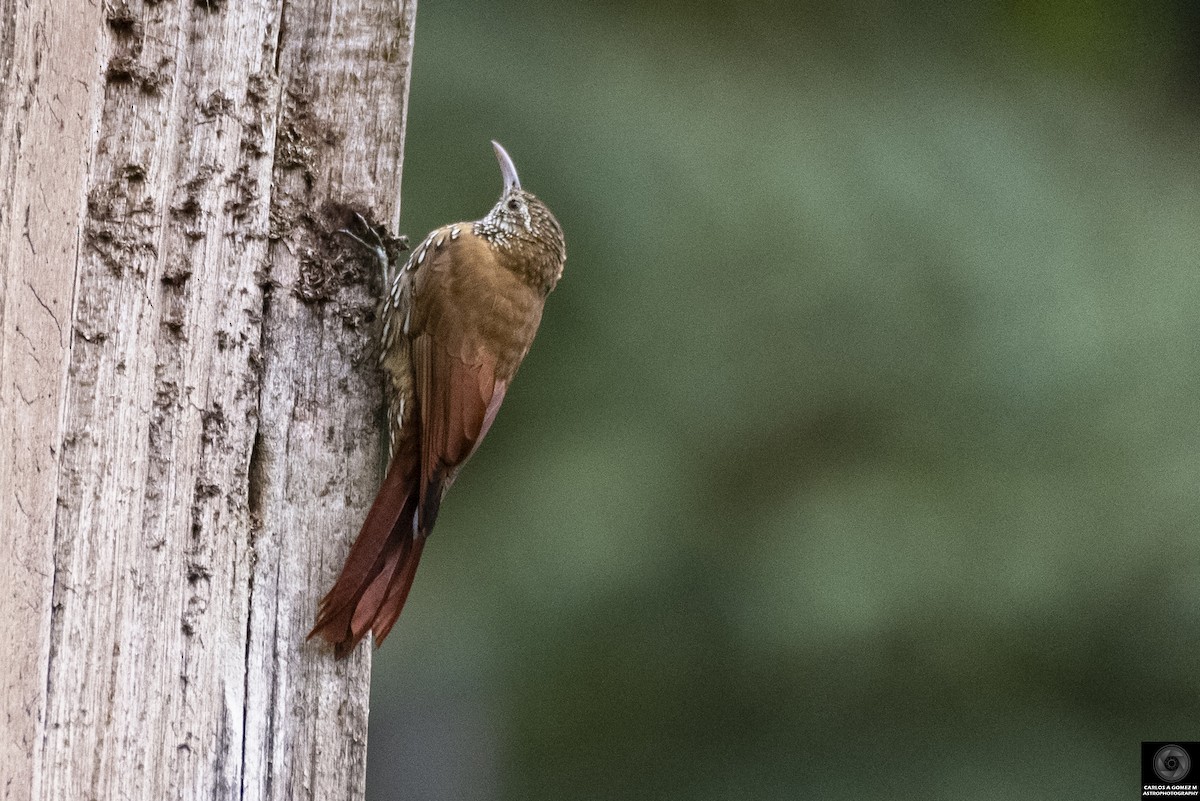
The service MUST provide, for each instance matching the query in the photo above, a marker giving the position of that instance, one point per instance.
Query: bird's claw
(375, 243)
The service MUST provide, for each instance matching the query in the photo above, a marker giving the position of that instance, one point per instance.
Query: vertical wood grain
(187, 408)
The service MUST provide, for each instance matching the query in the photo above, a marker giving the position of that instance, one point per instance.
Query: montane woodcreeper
(455, 323)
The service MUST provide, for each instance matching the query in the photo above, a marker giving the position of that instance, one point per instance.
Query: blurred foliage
(858, 454)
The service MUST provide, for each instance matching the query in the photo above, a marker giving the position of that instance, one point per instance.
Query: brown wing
(472, 324)
(458, 399)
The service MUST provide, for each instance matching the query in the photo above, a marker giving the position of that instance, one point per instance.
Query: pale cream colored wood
(49, 59)
(188, 409)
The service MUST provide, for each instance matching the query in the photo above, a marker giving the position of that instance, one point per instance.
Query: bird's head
(521, 224)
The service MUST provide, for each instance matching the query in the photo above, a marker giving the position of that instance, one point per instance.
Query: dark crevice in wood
(254, 500)
(257, 474)
(256, 477)
(279, 39)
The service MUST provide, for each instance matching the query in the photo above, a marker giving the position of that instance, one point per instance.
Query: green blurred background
(858, 453)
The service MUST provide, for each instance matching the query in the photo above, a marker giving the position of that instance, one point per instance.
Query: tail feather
(373, 596)
(389, 610)
(370, 591)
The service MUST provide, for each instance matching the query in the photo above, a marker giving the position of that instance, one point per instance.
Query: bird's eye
(514, 205)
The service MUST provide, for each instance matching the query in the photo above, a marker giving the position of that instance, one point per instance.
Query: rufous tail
(379, 571)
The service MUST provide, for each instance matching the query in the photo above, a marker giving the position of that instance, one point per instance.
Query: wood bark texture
(189, 430)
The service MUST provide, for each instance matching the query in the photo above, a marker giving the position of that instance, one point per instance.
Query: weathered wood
(187, 405)
(48, 60)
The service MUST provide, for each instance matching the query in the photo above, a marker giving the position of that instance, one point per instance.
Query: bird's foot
(376, 239)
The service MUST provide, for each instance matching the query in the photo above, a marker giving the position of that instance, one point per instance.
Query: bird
(455, 323)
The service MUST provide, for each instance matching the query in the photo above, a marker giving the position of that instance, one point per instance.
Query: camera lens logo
(1171, 764)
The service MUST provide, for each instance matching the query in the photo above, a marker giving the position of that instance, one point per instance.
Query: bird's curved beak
(507, 168)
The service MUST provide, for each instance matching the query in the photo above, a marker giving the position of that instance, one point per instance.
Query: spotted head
(522, 227)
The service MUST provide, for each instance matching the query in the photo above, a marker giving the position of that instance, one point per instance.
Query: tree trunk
(188, 404)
